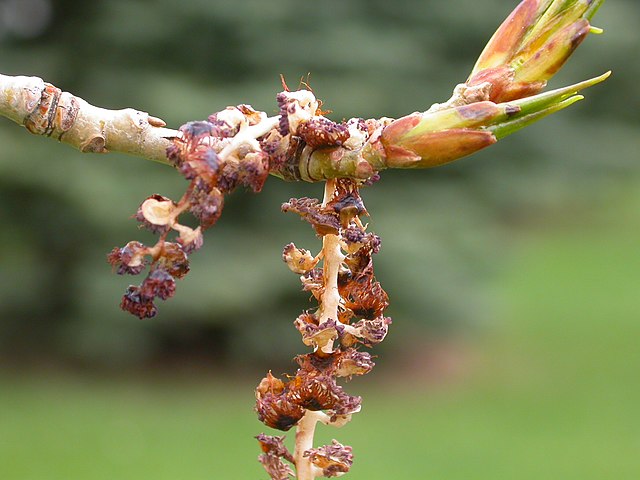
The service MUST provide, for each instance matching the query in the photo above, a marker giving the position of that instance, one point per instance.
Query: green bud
(531, 46)
(430, 139)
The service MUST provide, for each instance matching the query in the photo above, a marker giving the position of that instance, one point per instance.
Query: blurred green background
(513, 275)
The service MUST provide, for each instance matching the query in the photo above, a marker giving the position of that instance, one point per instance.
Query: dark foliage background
(446, 232)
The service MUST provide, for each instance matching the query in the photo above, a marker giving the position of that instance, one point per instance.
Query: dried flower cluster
(238, 146)
(241, 146)
(350, 314)
(215, 156)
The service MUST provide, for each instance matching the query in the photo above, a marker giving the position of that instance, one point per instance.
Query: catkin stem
(305, 470)
(330, 301)
(332, 260)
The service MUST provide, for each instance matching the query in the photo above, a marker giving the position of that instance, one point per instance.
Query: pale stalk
(305, 431)
(332, 260)
(329, 303)
(46, 110)
(247, 136)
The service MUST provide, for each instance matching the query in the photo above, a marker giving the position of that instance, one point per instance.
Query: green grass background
(551, 391)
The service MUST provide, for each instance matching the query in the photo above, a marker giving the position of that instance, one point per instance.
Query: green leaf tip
(593, 8)
(532, 109)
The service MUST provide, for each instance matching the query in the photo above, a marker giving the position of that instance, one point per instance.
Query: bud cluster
(350, 315)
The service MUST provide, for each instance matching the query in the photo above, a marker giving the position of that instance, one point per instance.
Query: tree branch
(46, 110)
(468, 122)
(501, 95)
